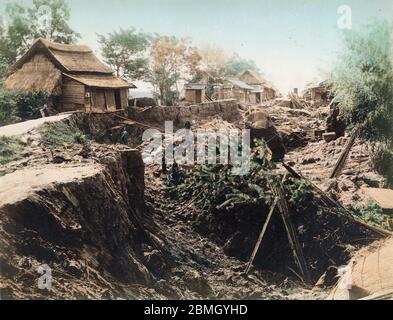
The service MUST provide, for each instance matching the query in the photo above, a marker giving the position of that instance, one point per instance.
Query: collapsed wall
(228, 110)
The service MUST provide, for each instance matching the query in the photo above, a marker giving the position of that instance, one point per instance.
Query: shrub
(373, 213)
(15, 106)
(11, 149)
(382, 159)
(8, 112)
(55, 134)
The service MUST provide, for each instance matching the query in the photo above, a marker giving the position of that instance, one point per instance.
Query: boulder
(261, 127)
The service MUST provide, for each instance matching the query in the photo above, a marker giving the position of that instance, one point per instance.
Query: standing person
(124, 137)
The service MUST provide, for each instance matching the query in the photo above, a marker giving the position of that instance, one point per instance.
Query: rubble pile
(316, 162)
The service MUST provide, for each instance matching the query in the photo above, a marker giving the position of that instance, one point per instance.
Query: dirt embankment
(88, 223)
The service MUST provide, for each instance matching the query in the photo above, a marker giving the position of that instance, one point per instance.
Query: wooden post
(340, 164)
(292, 234)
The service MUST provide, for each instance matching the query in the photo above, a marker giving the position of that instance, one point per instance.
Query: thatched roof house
(264, 90)
(73, 76)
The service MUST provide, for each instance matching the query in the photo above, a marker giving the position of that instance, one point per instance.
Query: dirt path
(26, 126)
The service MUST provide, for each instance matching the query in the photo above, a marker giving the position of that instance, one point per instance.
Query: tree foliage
(237, 64)
(125, 52)
(213, 61)
(172, 59)
(45, 18)
(362, 81)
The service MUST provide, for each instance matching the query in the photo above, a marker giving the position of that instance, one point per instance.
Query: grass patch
(373, 214)
(56, 134)
(11, 149)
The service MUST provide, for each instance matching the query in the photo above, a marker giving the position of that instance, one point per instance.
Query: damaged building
(263, 90)
(72, 75)
(317, 92)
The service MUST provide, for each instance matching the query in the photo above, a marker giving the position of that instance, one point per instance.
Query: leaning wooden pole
(292, 235)
(261, 235)
(263, 231)
(339, 166)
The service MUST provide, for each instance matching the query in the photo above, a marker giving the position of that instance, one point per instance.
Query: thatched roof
(256, 79)
(68, 58)
(101, 81)
(39, 74)
(240, 84)
(42, 66)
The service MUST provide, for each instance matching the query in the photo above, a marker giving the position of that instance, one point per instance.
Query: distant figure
(187, 125)
(124, 137)
(176, 176)
(44, 111)
(163, 164)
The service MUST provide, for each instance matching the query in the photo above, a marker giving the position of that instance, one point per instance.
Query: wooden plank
(340, 164)
(124, 98)
(291, 233)
(110, 99)
(99, 100)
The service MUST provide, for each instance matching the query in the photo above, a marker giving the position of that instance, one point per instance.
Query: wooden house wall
(110, 99)
(73, 96)
(124, 98)
(98, 99)
(191, 96)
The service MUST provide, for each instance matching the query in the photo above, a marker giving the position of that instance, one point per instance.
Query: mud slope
(85, 222)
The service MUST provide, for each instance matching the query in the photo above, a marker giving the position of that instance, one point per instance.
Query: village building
(233, 89)
(72, 75)
(263, 89)
(317, 92)
(195, 92)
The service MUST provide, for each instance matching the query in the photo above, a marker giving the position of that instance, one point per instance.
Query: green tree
(125, 51)
(45, 18)
(236, 64)
(362, 83)
(171, 60)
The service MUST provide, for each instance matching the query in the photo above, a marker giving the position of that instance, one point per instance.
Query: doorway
(118, 100)
(258, 97)
(198, 96)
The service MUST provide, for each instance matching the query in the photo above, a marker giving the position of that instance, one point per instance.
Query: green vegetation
(124, 50)
(362, 82)
(237, 64)
(15, 106)
(11, 149)
(372, 213)
(228, 191)
(26, 24)
(382, 159)
(56, 134)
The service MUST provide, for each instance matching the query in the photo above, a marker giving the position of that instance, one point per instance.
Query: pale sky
(292, 41)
